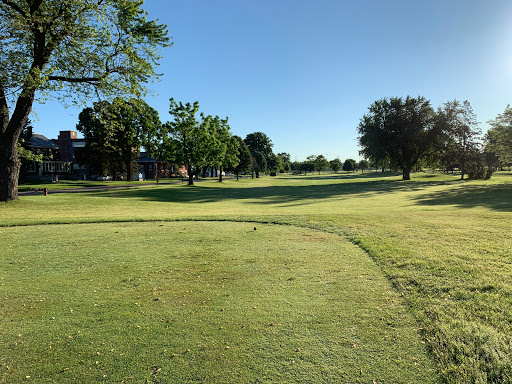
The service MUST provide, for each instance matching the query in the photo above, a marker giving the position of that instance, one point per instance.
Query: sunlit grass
(444, 244)
(179, 302)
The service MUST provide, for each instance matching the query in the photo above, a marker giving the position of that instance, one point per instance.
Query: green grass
(443, 245)
(200, 301)
(73, 184)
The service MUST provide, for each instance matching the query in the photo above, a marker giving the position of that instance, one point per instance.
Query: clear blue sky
(305, 71)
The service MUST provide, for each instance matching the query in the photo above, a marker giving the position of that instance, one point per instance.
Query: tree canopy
(260, 146)
(460, 132)
(189, 140)
(399, 130)
(349, 165)
(71, 50)
(115, 132)
(499, 137)
(335, 165)
(244, 158)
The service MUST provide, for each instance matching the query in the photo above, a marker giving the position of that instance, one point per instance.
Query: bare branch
(76, 80)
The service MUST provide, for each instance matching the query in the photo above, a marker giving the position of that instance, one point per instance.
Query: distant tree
(349, 165)
(461, 132)
(320, 163)
(285, 164)
(114, 133)
(101, 153)
(295, 166)
(498, 140)
(188, 141)
(400, 130)
(232, 156)
(244, 157)
(258, 164)
(223, 148)
(260, 146)
(335, 165)
(308, 165)
(363, 164)
(259, 142)
(69, 49)
(273, 162)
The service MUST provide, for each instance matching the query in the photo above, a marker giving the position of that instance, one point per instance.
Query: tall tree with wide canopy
(321, 163)
(499, 137)
(69, 49)
(285, 162)
(244, 158)
(335, 165)
(349, 165)
(460, 132)
(115, 133)
(399, 130)
(189, 141)
(224, 148)
(260, 146)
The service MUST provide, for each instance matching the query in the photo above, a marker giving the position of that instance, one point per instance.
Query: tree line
(319, 163)
(408, 133)
(116, 131)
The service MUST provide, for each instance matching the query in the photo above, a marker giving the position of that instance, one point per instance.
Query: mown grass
(183, 302)
(442, 243)
(73, 184)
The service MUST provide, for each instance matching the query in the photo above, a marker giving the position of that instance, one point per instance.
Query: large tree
(69, 49)
(115, 133)
(461, 134)
(349, 165)
(499, 137)
(335, 165)
(399, 130)
(320, 163)
(189, 141)
(243, 155)
(284, 162)
(224, 149)
(259, 142)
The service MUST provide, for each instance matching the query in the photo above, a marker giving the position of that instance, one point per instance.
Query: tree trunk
(462, 167)
(190, 176)
(220, 174)
(257, 174)
(10, 130)
(406, 174)
(9, 169)
(236, 175)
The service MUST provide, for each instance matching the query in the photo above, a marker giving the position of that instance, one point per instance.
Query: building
(52, 164)
(68, 143)
(59, 159)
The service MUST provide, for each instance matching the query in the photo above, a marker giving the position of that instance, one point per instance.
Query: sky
(304, 72)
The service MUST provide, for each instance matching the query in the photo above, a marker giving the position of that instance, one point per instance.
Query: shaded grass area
(444, 244)
(199, 301)
(73, 184)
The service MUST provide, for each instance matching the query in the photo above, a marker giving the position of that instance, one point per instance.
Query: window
(150, 167)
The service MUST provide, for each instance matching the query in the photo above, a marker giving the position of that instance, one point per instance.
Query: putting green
(183, 302)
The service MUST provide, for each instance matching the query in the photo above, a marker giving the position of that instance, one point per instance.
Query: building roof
(144, 158)
(40, 141)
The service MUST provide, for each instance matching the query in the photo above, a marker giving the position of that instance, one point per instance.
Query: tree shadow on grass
(291, 195)
(467, 195)
(343, 176)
